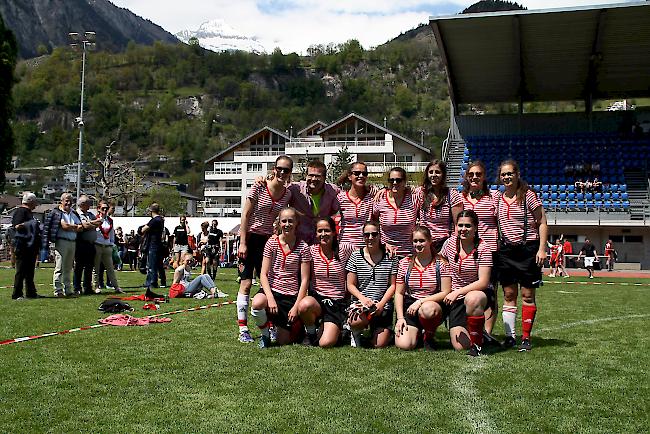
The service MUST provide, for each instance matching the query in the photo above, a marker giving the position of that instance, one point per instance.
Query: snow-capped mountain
(216, 35)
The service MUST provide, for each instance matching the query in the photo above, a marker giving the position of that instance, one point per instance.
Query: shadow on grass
(537, 343)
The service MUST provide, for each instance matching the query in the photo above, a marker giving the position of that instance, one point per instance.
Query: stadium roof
(593, 52)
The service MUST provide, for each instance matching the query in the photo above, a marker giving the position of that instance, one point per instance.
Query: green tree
(339, 165)
(8, 53)
(168, 198)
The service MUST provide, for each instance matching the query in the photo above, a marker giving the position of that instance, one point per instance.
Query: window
(633, 239)
(254, 167)
(233, 201)
(616, 238)
(405, 158)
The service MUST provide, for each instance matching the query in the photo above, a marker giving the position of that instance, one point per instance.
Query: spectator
(597, 185)
(567, 249)
(195, 288)
(591, 255)
(61, 227)
(26, 240)
(610, 253)
(181, 242)
(84, 259)
(132, 244)
(580, 186)
(120, 242)
(154, 230)
(104, 242)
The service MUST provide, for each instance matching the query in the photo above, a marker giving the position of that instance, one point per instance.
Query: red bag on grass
(176, 291)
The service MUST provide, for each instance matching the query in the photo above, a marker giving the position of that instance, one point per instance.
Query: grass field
(588, 372)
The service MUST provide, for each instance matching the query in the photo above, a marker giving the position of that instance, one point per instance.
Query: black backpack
(112, 305)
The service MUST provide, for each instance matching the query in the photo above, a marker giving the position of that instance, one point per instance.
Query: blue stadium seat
(616, 197)
(608, 204)
(545, 187)
(563, 204)
(598, 196)
(623, 188)
(554, 196)
(546, 204)
(493, 187)
(572, 188)
(546, 196)
(554, 188)
(580, 204)
(613, 188)
(625, 196)
(571, 204)
(571, 196)
(459, 188)
(563, 196)
(580, 197)
(589, 196)
(536, 188)
(607, 196)
(626, 205)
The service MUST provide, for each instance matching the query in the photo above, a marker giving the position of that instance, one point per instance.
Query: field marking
(474, 407)
(568, 292)
(592, 321)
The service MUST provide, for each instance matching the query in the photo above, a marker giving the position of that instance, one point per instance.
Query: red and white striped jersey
(464, 271)
(422, 282)
(486, 210)
(438, 219)
(284, 274)
(397, 224)
(266, 208)
(328, 276)
(354, 213)
(510, 218)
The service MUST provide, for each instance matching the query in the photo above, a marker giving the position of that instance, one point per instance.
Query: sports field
(588, 372)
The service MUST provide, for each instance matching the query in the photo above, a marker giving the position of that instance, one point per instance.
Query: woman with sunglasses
(371, 281)
(476, 196)
(327, 299)
(262, 206)
(355, 203)
(396, 209)
(422, 285)
(284, 281)
(469, 261)
(104, 248)
(523, 232)
(440, 204)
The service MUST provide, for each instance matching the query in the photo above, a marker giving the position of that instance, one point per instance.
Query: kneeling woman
(327, 299)
(419, 295)
(470, 263)
(371, 280)
(284, 281)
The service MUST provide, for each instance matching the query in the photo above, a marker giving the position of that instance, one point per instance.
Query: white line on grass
(471, 403)
(591, 321)
(568, 292)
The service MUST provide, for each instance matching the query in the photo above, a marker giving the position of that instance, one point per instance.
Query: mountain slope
(48, 22)
(217, 35)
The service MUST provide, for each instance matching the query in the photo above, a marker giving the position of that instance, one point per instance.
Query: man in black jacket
(27, 238)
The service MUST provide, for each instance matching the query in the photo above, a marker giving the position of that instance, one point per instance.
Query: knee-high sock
(242, 311)
(429, 324)
(475, 328)
(509, 315)
(528, 312)
(261, 320)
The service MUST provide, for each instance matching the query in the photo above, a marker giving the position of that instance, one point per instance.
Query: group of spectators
(588, 254)
(589, 186)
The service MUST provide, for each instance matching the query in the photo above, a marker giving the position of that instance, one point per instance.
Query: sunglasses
(359, 173)
(283, 169)
(504, 174)
(395, 180)
(104, 208)
(474, 174)
(371, 234)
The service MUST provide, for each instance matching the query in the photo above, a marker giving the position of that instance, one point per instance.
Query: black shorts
(212, 252)
(285, 304)
(333, 310)
(456, 314)
(517, 264)
(414, 320)
(382, 321)
(255, 246)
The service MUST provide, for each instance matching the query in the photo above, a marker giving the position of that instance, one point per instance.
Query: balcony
(222, 210)
(228, 191)
(224, 170)
(302, 146)
(257, 156)
(411, 167)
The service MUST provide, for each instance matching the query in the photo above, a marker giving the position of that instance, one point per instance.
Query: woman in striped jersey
(440, 204)
(284, 281)
(371, 280)
(355, 204)
(396, 209)
(263, 203)
(523, 233)
(327, 299)
(476, 196)
(469, 261)
(421, 288)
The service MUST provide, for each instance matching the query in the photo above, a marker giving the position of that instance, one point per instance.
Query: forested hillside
(187, 103)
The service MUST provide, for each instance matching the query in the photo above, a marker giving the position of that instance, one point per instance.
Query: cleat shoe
(59, 294)
(310, 340)
(551, 275)
(264, 343)
(509, 342)
(245, 337)
(474, 351)
(525, 345)
(489, 340)
(98, 290)
(273, 334)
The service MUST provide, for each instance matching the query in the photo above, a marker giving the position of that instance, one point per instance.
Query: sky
(294, 25)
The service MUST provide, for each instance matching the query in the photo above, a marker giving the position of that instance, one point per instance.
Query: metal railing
(410, 167)
(226, 188)
(307, 143)
(258, 153)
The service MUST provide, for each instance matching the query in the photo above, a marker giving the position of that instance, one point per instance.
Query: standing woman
(284, 281)
(104, 249)
(477, 197)
(203, 245)
(371, 281)
(396, 209)
(263, 204)
(440, 204)
(420, 294)
(355, 204)
(469, 261)
(523, 232)
(327, 299)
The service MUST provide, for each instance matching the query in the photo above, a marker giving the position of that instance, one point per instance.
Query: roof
(376, 125)
(591, 52)
(312, 125)
(244, 140)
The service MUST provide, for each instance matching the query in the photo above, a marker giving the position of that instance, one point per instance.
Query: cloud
(294, 25)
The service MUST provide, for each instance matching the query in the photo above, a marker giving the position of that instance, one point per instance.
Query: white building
(231, 172)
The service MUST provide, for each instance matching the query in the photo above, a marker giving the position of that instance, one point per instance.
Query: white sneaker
(273, 334)
(98, 290)
(221, 294)
(255, 282)
(200, 295)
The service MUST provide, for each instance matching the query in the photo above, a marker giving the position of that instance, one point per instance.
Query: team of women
(402, 261)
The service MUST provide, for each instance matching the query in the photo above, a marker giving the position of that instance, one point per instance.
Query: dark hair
(522, 186)
(154, 207)
(429, 188)
(469, 213)
(335, 240)
(401, 171)
(348, 172)
(427, 233)
(375, 223)
(204, 225)
(317, 164)
(284, 157)
(485, 188)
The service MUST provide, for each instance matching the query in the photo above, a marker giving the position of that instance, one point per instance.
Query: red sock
(429, 324)
(475, 327)
(242, 323)
(528, 312)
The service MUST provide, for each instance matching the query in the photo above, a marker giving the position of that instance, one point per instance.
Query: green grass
(588, 372)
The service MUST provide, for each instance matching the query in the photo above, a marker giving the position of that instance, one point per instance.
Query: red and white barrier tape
(94, 326)
(564, 282)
